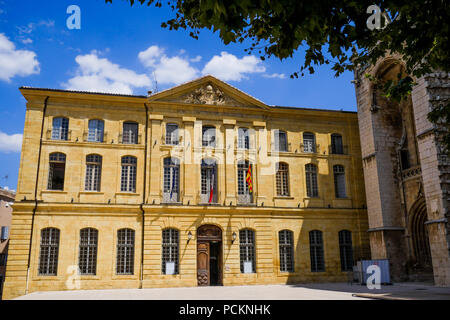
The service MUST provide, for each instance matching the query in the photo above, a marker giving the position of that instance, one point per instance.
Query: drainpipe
(143, 199)
(35, 194)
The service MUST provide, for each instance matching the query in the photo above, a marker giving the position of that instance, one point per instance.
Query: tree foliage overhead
(330, 32)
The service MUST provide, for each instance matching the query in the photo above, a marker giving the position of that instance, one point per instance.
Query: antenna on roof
(155, 83)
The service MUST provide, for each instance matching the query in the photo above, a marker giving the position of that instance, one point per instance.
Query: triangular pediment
(207, 90)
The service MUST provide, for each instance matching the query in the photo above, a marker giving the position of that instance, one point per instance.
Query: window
(128, 176)
(336, 144)
(247, 250)
(282, 177)
(172, 134)
(48, 256)
(208, 136)
(316, 251)
(339, 181)
(208, 181)
(125, 251)
(56, 171)
(404, 159)
(60, 129)
(346, 250)
(243, 138)
(87, 260)
(311, 181)
(309, 142)
(130, 133)
(170, 242)
(244, 194)
(96, 129)
(281, 141)
(286, 242)
(3, 260)
(171, 180)
(4, 233)
(93, 172)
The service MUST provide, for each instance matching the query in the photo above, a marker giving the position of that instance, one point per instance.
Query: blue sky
(123, 49)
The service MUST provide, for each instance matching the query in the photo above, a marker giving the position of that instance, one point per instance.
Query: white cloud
(167, 70)
(275, 75)
(228, 67)
(16, 62)
(196, 59)
(26, 41)
(29, 28)
(10, 143)
(101, 75)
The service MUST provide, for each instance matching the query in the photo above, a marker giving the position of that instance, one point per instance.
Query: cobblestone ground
(323, 291)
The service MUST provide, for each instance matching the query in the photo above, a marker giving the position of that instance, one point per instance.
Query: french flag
(211, 192)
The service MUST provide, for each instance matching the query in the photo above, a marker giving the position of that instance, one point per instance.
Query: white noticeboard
(170, 267)
(248, 267)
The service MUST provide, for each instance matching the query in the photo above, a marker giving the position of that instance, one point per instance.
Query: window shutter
(5, 233)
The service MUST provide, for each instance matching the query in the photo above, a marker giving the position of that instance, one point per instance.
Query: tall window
(56, 171)
(208, 136)
(96, 130)
(282, 177)
(5, 233)
(339, 181)
(309, 142)
(48, 256)
(60, 129)
(87, 260)
(247, 250)
(128, 176)
(311, 181)
(244, 194)
(336, 144)
(172, 134)
(130, 133)
(93, 172)
(346, 250)
(243, 138)
(171, 180)
(208, 181)
(316, 251)
(281, 143)
(286, 243)
(170, 243)
(125, 251)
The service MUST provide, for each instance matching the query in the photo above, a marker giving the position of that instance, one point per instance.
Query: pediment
(207, 91)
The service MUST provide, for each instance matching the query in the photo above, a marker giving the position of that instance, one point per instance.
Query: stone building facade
(407, 174)
(200, 184)
(6, 201)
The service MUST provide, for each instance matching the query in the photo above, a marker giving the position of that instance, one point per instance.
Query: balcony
(338, 150)
(281, 148)
(314, 149)
(130, 140)
(165, 141)
(49, 135)
(86, 137)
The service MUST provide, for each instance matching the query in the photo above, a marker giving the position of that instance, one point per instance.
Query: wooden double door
(209, 256)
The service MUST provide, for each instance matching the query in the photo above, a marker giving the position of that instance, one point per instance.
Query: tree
(332, 32)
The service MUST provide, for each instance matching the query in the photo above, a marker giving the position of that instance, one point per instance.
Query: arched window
(208, 181)
(172, 134)
(245, 182)
(48, 256)
(286, 243)
(316, 251)
(309, 142)
(93, 172)
(281, 143)
(130, 133)
(171, 180)
(346, 250)
(282, 177)
(170, 242)
(247, 250)
(60, 130)
(208, 136)
(87, 259)
(336, 144)
(96, 130)
(56, 171)
(312, 189)
(125, 251)
(339, 181)
(243, 138)
(128, 176)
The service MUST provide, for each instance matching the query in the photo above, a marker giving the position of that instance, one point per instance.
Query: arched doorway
(209, 255)
(419, 235)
